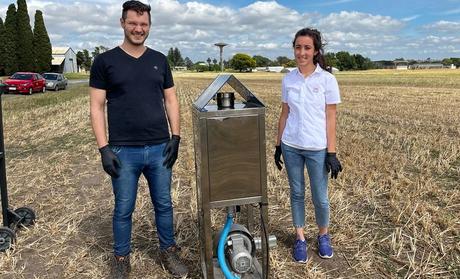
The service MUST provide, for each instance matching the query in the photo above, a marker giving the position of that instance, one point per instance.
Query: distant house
(180, 68)
(64, 60)
(275, 69)
(401, 65)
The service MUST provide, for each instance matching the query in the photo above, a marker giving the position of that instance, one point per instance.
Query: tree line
(21, 48)
(342, 60)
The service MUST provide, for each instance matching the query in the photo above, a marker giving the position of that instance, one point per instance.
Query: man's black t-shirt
(134, 87)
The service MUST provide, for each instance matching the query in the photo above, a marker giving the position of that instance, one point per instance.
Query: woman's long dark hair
(315, 35)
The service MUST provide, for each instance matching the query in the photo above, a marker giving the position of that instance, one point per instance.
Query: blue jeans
(295, 160)
(147, 160)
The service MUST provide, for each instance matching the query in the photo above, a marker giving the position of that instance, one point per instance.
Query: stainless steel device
(230, 166)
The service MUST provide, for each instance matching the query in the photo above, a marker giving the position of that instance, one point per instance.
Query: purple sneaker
(324, 246)
(300, 251)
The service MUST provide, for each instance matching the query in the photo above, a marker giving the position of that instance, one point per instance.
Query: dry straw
(394, 209)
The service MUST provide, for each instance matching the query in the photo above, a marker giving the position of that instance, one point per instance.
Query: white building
(64, 60)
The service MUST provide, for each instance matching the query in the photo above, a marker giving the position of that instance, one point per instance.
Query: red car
(25, 82)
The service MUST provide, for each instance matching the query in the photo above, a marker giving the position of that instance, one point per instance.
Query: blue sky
(374, 28)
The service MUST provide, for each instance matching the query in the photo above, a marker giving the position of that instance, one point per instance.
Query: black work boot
(120, 267)
(171, 261)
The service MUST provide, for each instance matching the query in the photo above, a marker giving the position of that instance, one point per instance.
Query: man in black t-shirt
(137, 85)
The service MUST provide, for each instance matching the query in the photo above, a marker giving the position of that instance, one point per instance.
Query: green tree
(262, 61)
(200, 66)
(98, 50)
(175, 57)
(291, 63)
(282, 60)
(10, 42)
(25, 38)
(188, 63)
(331, 60)
(447, 61)
(345, 61)
(84, 60)
(2, 48)
(241, 61)
(42, 45)
(455, 61)
(87, 60)
(178, 60)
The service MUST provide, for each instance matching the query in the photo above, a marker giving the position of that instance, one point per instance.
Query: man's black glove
(171, 151)
(333, 165)
(278, 161)
(110, 161)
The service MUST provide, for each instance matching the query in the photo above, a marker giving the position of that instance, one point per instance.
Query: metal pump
(230, 164)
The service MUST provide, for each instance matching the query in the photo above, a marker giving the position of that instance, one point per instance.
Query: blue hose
(220, 248)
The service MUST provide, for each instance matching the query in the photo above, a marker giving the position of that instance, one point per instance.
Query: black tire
(31, 91)
(7, 238)
(56, 88)
(27, 216)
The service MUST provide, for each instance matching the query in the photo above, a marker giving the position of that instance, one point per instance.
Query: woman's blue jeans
(147, 160)
(295, 161)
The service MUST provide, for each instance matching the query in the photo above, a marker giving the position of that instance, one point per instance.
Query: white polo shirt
(307, 98)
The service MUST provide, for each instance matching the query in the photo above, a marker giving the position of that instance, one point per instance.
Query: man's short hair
(136, 6)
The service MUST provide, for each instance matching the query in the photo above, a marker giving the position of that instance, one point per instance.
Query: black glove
(333, 165)
(110, 161)
(171, 151)
(278, 161)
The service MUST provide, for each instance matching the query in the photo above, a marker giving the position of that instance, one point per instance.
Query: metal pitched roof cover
(218, 83)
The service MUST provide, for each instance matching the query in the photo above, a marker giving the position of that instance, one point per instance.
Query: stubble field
(394, 209)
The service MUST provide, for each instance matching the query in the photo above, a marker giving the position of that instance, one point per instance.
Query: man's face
(136, 27)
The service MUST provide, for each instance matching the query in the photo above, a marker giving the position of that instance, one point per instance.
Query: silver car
(55, 81)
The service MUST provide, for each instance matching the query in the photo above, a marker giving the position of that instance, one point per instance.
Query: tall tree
(178, 60)
(170, 57)
(282, 60)
(345, 61)
(331, 60)
(42, 45)
(10, 42)
(188, 63)
(98, 50)
(87, 60)
(25, 38)
(2, 48)
(241, 61)
(262, 61)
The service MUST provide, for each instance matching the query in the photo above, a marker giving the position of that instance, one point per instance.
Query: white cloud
(444, 26)
(360, 22)
(410, 18)
(262, 27)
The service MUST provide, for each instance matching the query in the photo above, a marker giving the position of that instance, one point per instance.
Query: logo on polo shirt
(155, 67)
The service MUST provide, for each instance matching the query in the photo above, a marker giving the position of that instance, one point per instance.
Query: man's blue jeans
(295, 160)
(147, 160)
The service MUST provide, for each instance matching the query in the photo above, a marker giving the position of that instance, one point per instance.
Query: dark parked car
(55, 81)
(25, 82)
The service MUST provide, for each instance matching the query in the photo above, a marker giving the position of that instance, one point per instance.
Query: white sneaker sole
(301, 262)
(326, 257)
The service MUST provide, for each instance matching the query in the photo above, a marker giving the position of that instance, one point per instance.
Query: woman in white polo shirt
(307, 137)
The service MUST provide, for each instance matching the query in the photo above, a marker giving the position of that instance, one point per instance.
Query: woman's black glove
(333, 164)
(278, 161)
(110, 161)
(171, 151)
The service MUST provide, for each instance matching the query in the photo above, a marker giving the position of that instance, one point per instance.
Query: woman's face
(304, 51)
